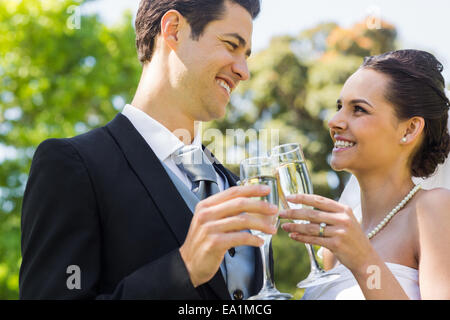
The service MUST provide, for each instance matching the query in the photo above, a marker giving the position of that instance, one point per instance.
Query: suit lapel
(152, 175)
(159, 186)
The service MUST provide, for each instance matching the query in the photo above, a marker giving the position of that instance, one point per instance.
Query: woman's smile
(343, 145)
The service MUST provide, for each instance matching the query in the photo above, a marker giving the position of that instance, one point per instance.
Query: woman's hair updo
(417, 88)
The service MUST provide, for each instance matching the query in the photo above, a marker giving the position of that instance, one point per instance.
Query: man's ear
(172, 24)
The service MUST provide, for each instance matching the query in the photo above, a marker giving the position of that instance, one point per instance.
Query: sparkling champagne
(293, 178)
(272, 198)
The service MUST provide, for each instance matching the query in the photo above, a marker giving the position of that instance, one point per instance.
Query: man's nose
(240, 68)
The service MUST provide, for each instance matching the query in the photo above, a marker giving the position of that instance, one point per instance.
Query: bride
(390, 128)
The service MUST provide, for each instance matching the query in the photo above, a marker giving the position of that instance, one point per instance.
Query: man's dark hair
(198, 13)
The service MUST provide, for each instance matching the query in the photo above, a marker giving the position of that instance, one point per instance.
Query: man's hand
(217, 225)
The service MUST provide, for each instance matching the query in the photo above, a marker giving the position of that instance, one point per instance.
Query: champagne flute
(293, 178)
(260, 170)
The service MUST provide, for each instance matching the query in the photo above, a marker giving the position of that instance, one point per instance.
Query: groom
(110, 215)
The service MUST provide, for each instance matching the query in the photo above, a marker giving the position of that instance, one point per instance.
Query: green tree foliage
(58, 80)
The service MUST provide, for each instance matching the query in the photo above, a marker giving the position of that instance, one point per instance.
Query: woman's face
(365, 130)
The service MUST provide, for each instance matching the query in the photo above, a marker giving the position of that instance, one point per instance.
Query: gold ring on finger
(322, 226)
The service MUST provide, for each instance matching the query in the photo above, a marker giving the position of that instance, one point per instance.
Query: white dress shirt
(163, 142)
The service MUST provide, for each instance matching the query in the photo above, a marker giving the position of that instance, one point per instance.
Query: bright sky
(421, 24)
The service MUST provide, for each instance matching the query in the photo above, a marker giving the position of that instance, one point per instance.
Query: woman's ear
(414, 128)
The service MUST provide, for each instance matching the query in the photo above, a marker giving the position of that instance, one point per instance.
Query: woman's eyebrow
(355, 101)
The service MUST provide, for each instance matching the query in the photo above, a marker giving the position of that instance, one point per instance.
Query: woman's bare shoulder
(433, 206)
(434, 198)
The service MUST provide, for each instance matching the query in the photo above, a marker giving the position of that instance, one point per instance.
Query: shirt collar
(158, 137)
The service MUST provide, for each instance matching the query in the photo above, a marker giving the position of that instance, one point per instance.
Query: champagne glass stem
(312, 258)
(268, 281)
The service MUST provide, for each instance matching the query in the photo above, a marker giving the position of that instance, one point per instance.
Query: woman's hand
(342, 235)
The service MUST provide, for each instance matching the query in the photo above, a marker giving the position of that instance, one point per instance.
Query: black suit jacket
(103, 202)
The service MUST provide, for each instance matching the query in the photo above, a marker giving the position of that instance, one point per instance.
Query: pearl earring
(404, 139)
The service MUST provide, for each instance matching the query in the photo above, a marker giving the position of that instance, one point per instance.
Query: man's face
(212, 66)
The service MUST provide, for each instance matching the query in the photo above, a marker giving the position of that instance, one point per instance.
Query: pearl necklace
(389, 216)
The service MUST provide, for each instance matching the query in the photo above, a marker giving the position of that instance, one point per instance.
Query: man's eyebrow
(355, 101)
(242, 42)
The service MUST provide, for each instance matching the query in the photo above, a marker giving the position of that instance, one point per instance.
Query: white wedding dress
(346, 287)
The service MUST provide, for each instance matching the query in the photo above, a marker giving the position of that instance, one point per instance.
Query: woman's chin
(337, 165)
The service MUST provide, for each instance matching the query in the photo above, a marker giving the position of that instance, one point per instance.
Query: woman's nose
(338, 121)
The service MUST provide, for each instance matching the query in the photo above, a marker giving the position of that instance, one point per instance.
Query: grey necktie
(193, 161)
(237, 269)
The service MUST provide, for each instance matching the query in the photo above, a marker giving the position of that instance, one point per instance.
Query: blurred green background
(62, 74)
